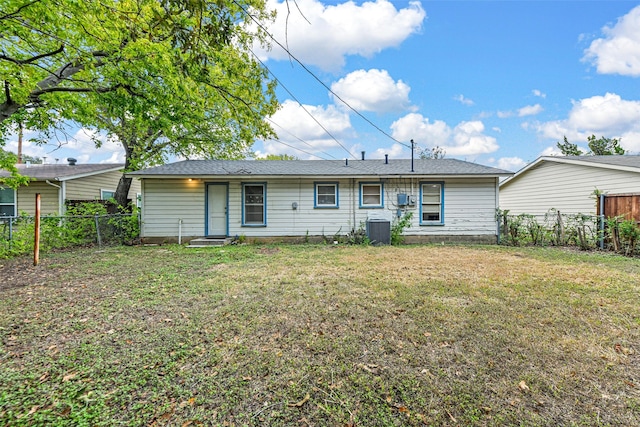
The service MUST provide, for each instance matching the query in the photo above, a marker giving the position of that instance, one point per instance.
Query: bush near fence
(586, 232)
(84, 224)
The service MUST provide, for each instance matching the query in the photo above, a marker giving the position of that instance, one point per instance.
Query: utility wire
(299, 149)
(305, 110)
(291, 55)
(301, 140)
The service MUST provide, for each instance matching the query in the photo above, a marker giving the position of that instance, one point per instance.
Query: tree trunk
(123, 191)
(125, 183)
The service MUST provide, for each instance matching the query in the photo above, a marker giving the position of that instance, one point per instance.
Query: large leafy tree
(165, 77)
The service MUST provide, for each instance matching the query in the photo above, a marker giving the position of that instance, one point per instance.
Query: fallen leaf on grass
(452, 417)
(401, 408)
(304, 400)
(372, 369)
(523, 386)
(69, 376)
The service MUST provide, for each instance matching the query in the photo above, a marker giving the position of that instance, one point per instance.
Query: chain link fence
(17, 233)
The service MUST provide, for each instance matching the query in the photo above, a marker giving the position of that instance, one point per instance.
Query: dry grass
(321, 335)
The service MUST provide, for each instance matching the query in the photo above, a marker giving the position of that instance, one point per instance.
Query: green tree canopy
(598, 147)
(278, 157)
(605, 146)
(569, 149)
(166, 77)
(436, 152)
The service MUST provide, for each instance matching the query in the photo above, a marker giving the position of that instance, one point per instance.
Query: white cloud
(372, 90)
(466, 138)
(296, 128)
(504, 114)
(464, 101)
(618, 52)
(511, 163)
(551, 151)
(527, 110)
(608, 115)
(538, 93)
(396, 151)
(72, 142)
(530, 110)
(323, 35)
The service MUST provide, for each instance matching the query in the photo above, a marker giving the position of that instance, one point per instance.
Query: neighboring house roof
(324, 168)
(621, 163)
(63, 172)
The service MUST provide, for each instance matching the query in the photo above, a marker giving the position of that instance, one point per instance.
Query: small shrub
(398, 228)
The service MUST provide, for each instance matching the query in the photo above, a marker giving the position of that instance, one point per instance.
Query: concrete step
(205, 242)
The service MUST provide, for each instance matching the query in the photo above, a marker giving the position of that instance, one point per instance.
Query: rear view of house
(286, 200)
(58, 183)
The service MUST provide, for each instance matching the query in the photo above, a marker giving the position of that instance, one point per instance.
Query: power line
(291, 55)
(305, 110)
(299, 139)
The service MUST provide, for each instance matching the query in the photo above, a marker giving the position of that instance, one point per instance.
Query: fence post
(10, 232)
(36, 237)
(98, 231)
(560, 229)
(602, 217)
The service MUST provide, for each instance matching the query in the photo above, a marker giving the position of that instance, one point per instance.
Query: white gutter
(61, 191)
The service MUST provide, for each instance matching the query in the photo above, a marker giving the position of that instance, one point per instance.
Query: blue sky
(493, 82)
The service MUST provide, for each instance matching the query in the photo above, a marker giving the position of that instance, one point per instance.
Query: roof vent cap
(71, 161)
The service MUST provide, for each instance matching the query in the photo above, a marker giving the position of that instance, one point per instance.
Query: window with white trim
(107, 194)
(326, 195)
(254, 204)
(431, 203)
(371, 195)
(7, 201)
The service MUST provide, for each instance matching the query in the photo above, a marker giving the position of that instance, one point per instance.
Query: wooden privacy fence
(626, 206)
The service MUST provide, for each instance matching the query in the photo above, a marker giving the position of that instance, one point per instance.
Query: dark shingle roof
(627, 161)
(62, 172)
(319, 168)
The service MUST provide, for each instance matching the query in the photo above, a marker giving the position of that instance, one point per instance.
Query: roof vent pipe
(346, 162)
(71, 161)
(386, 159)
(362, 155)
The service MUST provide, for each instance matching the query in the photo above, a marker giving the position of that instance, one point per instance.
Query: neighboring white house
(567, 184)
(450, 199)
(57, 183)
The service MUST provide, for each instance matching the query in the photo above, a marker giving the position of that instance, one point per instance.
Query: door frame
(206, 207)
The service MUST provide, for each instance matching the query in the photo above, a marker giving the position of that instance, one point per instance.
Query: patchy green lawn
(320, 336)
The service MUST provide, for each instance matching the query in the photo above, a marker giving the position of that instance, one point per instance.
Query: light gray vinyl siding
(565, 187)
(88, 187)
(167, 202)
(469, 207)
(49, 202)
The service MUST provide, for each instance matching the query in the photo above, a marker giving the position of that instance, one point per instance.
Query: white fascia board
(83, 175)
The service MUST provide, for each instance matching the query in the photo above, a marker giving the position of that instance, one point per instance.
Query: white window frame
(13, 204)
(316, 201)
(379, 205)
(439, 203)
(104, 190)
(264, 204)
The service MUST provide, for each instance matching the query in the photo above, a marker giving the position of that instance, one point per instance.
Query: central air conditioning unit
(378, 230)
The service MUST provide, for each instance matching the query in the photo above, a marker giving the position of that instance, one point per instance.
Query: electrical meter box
(403, 200)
